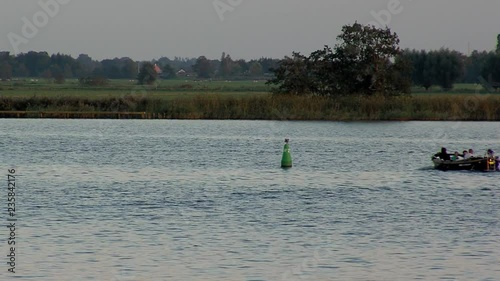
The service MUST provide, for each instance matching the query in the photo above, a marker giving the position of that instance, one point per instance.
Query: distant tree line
(366, 60)
(58, 67)
(227, 68)
(445, 67)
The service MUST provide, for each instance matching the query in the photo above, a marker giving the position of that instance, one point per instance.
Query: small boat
(484, 164)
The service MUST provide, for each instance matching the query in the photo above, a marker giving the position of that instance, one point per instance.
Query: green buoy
(286, 160)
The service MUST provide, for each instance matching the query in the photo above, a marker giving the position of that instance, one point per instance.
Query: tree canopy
(442, 67)
(498, 44)
(147, 74)
(491, 69)
(203, 67)
(365, 61)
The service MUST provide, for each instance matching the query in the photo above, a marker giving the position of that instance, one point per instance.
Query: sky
(247, 29)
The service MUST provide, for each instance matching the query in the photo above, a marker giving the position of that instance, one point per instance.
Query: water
(207, 200)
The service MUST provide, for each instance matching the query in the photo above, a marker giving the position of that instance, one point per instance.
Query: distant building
(182, 73)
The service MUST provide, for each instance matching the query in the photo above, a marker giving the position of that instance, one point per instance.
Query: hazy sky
(149, 29)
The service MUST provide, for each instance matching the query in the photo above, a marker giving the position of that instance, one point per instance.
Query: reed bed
(439, 107)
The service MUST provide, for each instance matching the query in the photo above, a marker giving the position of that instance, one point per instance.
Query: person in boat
(443, 154)
(471, 153)
(497, 160)
(455, 156)
(490, 154)
(465, 155)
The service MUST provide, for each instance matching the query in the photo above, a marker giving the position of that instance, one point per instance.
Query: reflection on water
(207, 200)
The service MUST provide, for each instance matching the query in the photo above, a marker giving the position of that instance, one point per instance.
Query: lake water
(207, 200)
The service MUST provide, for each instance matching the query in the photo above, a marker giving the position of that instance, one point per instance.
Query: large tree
(364, 62)
(226, 66)
(448, 67)
(268, 64)
(293, 76)
(129, 68)
(255, 69)
(203, 67)
(86, 65)
(325, 72)
(366, 55)
(474, 63)
(36, 62)
(5, 70)
(147, 74)
(168, 72)
(422, 71)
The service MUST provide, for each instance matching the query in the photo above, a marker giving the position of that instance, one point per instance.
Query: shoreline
(444, 107)
(161, 116)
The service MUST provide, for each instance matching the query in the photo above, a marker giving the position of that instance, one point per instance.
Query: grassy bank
(168, 88)
(205, 99)
(117, 88)
(257, 106)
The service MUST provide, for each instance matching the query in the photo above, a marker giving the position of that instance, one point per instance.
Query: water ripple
(207, 200)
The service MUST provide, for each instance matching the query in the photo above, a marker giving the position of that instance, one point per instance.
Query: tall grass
(278, 107)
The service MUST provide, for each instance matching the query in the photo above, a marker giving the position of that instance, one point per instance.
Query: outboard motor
(491, 164)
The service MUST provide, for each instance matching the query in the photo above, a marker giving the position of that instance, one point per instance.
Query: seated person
(466, 154)
(490, 154)
(443, 155)
(471, 153)
(455, 156)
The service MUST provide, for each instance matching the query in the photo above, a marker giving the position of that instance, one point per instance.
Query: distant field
(100, 94)
(168, 89)
(118, 88)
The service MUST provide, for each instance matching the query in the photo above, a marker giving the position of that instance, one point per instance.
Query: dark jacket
(444, 156)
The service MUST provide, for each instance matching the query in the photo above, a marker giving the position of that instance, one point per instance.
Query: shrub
(93, 81)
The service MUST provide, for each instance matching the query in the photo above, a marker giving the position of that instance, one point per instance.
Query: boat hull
(474, 164)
